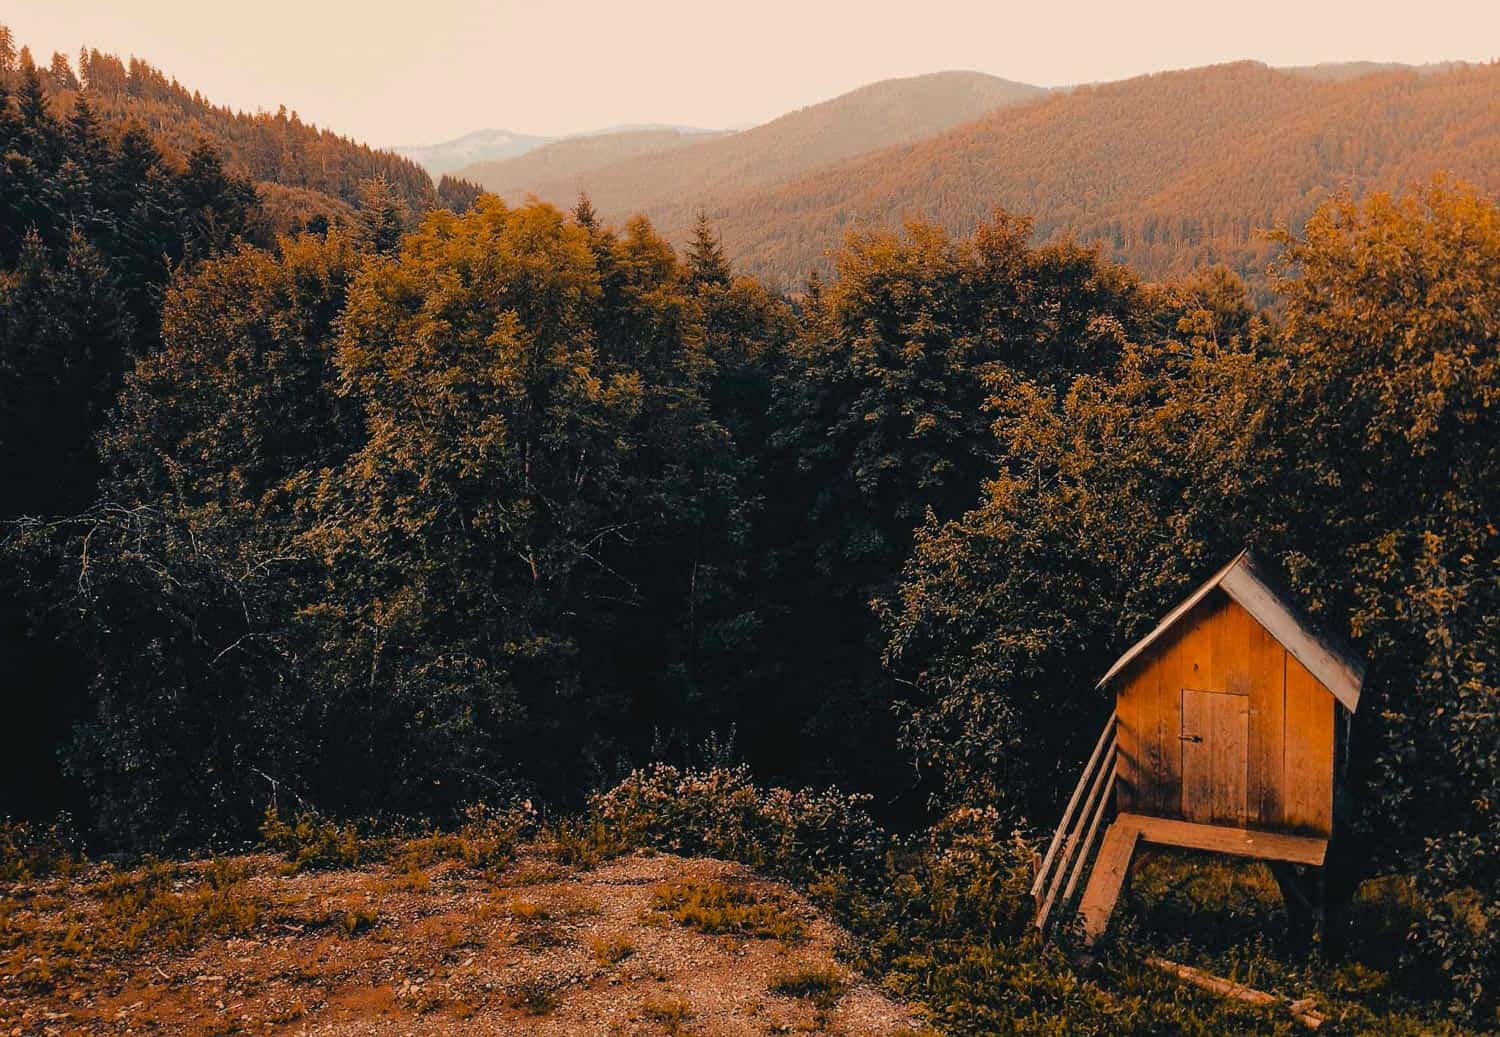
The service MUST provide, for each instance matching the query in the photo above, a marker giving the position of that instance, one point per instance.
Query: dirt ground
(534, 949)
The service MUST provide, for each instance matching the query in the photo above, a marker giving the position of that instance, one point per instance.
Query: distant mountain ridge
(671, 181)
(487, 146)
(479, 146)
(575, 157)
(1167, 171)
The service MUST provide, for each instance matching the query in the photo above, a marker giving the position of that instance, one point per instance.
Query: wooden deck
(1127, 831)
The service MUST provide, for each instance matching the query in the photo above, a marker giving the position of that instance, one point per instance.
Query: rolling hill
(1167, 171)
(671, 183)
(574, 157)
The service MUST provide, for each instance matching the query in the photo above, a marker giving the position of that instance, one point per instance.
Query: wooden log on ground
(1301, 1010)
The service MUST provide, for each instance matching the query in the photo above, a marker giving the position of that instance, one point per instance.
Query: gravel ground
(538, 949)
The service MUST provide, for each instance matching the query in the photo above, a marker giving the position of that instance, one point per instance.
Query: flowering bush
(797, 834)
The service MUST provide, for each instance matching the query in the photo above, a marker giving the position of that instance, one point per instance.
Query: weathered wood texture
(1266, 754)
(1215, 747)
(1238, 842)
(1129, 831)
(1107, 879)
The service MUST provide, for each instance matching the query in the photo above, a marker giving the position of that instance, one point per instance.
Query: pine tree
(706, 264)
(382, 216)
(62, 73)
(7, 51)
(583, 213)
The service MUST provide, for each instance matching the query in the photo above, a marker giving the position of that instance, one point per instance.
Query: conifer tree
(706, 264)
(583, 213)
(382, 217)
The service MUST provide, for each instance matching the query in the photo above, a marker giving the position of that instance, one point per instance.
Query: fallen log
(1301, 1010)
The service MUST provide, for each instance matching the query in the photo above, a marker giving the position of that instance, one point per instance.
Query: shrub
(32, 851)
(798, 835)
(312, 841)
(535, 995)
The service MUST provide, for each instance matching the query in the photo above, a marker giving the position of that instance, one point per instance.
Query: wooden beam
(1301, 1010)
(1240, 842)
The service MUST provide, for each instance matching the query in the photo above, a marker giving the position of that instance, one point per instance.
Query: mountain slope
(1168, 171)
(479, 146)
(872, 117)
(313, 171)
(574, 157)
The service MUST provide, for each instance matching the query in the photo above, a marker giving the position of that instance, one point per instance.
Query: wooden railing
(1067, 857)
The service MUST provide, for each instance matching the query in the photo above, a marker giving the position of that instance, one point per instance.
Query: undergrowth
(722, 908)
(944, 918)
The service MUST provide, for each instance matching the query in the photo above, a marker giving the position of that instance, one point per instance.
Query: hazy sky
(424, 71)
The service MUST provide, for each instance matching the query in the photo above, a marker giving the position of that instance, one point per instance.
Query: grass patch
(157, 906)
(585, 842)
(356, 920)
(523, 910)
(310, 841)
(611, 950)
(821, 985)
(670, 1013)
(719, 908)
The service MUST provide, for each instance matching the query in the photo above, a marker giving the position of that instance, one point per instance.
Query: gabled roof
(1326, 657)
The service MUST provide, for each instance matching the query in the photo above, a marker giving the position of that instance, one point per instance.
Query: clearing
(644, 944)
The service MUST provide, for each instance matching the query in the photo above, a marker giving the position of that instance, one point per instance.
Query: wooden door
(1215, 756)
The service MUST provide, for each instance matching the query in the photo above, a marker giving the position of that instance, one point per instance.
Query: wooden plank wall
(1308, 797)
(1218, 646)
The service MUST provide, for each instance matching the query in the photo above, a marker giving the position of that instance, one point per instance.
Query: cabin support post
(1299, 891)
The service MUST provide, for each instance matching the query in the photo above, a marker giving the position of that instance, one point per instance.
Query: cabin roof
(1325, 656)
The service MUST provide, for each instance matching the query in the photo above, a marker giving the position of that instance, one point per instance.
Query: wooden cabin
(1230, 734)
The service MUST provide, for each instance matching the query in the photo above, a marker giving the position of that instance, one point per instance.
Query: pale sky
(426, 71)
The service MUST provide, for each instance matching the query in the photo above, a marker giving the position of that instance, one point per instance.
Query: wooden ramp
(1127, 831)
(1107, 879)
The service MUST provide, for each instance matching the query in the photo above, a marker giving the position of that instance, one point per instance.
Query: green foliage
(29, 850)
(945, 917)
(1354, 445)
(882, 421)
(310, 841)
(720, 812)
(721, 908)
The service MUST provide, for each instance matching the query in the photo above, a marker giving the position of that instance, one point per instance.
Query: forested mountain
(1169, 171)
(306, 172)
(674, 184)
(573, 158)
(479, 146)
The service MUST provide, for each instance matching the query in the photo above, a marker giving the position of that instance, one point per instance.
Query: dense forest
(392, 515)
